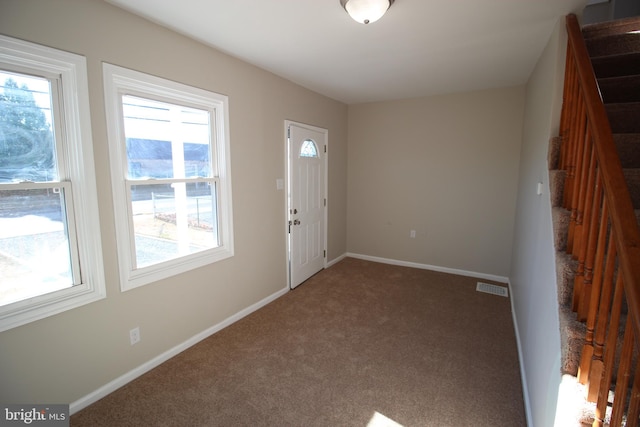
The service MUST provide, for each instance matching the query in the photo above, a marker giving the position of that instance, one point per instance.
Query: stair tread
(628, 145)
(623, 117)
(622, 64)
(614, 44)
(620, 89)
(572, 337)
(556, 186)
(617, 26)
(632, 176)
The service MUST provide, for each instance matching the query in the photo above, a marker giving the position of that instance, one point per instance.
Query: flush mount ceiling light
(366, 11)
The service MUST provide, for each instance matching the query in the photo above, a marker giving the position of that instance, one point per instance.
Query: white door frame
(325, 132)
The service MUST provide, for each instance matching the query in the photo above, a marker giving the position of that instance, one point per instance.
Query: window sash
(173, 121)
(71, 126)
(56, 112)
(213, 183)
(118, 82)
(67, 216)
(60, 165)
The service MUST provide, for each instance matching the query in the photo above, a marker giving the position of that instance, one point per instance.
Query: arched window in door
(309, 149)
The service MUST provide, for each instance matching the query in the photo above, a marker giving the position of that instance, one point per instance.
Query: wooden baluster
(572, 145)
(624, 372)
(564, 113)
(574, 85)
(589, 245)
(576, 174)
(581, 250)
(598, 307)
(609, 354)
(579, 185)
(596, 371)
(568, 109)
(634, 401)
(575, 147)
(587, 169)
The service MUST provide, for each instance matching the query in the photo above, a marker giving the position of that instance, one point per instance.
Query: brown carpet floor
(420, 347)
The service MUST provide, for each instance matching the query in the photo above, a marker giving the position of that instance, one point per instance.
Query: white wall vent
(492, 289)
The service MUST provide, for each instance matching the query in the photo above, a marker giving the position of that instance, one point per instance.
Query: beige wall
(533, 268)
(445, 166)
(66, 357)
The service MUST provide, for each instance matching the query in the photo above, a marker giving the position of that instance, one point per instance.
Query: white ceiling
(419, 48)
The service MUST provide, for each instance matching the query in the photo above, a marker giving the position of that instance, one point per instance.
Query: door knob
(296, 222)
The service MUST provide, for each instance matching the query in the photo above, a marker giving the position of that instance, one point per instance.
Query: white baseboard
(523, 376)
(112, 386)
(336, 260)
(493, 277)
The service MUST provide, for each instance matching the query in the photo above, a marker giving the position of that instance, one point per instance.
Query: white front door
(306, 201)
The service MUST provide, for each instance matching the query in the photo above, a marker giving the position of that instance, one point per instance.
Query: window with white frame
(50, 248)
(170, 166)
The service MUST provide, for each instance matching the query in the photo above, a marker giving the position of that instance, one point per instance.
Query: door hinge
(325, 202)
(325, 148)
(325, 253)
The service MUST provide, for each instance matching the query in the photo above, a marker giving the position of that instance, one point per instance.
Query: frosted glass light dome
(366, 11)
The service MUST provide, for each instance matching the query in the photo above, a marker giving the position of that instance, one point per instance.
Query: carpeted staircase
(614, 49)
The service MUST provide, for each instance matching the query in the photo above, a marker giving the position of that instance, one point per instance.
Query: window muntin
(50, 250)
(170, 168)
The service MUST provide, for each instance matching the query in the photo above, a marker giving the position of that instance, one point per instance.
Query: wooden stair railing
(604, 238)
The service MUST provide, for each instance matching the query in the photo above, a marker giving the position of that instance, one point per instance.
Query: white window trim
(119, 81)
(78, 151)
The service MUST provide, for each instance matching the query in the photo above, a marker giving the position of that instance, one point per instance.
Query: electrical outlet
(412, 234)
(134, 335)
